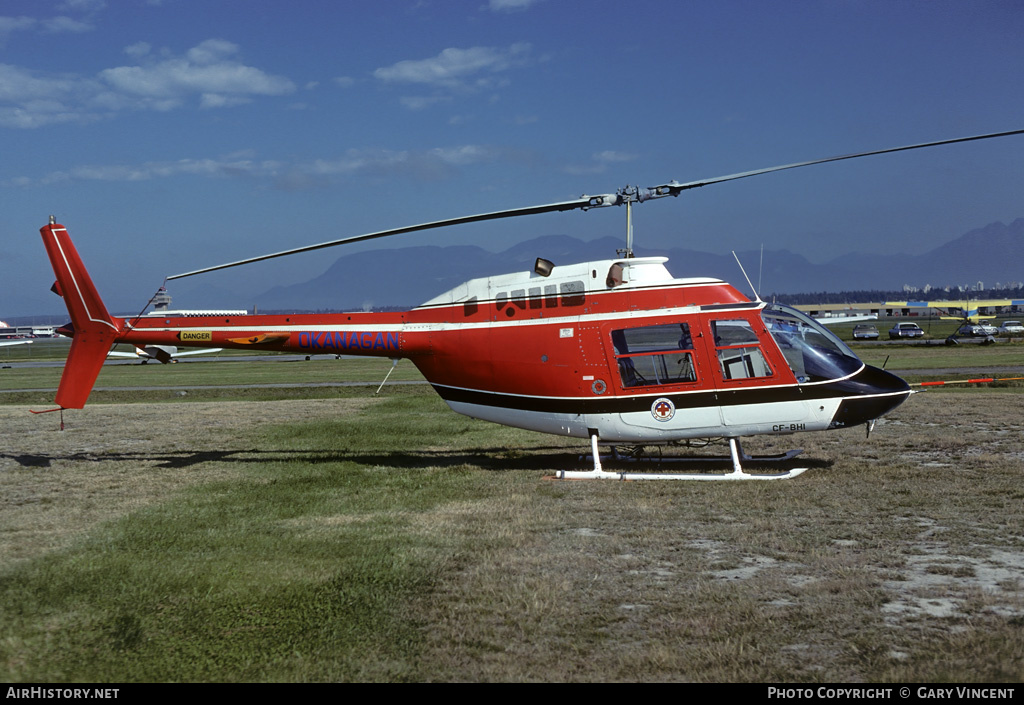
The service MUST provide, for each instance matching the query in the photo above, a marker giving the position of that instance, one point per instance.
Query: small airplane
(616, 351)
(162, 353)
(969, 312)
(5, 343)
(846, 318)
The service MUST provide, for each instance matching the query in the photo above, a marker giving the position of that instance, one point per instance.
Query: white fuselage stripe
(439, 326)
(78, 290)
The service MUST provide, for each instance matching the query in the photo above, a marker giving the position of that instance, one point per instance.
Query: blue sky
(169, 135)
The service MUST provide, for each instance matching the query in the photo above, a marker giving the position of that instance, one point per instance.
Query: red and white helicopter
(616, 351)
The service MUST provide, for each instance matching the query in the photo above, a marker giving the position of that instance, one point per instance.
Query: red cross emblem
(663, 409)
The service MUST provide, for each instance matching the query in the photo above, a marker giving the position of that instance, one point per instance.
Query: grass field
(329, 534)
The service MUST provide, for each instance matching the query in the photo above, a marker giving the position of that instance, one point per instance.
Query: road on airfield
(227, 358)
(992, 371)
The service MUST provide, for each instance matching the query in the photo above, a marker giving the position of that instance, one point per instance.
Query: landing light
(543, 267)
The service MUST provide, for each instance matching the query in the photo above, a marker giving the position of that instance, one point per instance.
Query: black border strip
(869, 381)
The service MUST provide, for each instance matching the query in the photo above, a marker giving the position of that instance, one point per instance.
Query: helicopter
(616, 351)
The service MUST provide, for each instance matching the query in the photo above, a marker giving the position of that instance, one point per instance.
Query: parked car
(905, 330)
(865, 332)
(977, 330)
(1011, 328)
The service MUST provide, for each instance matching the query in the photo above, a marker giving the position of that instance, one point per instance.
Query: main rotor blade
(674, 188)
(582, 202)
(628, 194)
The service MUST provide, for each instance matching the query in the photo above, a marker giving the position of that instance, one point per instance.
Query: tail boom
(94, 331)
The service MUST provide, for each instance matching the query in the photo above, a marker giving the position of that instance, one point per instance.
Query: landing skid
(745, 457)
(736, 455)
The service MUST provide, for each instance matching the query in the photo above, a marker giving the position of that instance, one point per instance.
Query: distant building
(161, 300)
(888, 309)
(162, 307)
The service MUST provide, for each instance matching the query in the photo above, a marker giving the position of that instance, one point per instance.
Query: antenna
(757, 296)
(760, 268)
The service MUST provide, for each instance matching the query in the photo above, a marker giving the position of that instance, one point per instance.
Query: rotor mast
(627, 196)
(629, 229)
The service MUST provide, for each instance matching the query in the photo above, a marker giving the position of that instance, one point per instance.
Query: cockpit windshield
(814, 353)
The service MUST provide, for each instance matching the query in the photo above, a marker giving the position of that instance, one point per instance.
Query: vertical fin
(94, 330)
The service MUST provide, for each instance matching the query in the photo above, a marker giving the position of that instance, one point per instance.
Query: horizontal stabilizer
(85, 360)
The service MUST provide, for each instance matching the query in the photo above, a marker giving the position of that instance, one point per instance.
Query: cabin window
(550, 296)
(813, 352)
(535, 297)
(614, 276)
(572, 293)
(652, 355)
(739, 351)
(519, 299)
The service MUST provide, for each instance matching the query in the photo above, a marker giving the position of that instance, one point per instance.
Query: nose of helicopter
(867, 395)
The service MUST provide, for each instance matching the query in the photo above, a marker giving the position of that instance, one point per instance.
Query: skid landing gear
(736, 454)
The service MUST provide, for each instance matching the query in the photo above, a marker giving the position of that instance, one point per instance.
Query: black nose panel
(871, 393)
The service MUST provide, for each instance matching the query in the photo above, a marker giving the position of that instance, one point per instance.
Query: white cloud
(510, 5)
(15, 24)
(53, 25)
(211, 51)
(29, 99)
(415, 164)
(455, 71)
(61, 25)
(610, 156)
(83, 5)
(208, 70)
(9, 25)
(453, 68)
(421, 102)
(232, 165)
(209, 74)
(429, 164)
(584, 169)
(219, 100)
(599, 163)
(33, 115)
(138, 50)
(17, 84)
(464, 155)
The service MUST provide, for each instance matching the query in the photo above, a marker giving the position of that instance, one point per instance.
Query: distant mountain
(994, 253)
(412, 275)
(409, 276)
